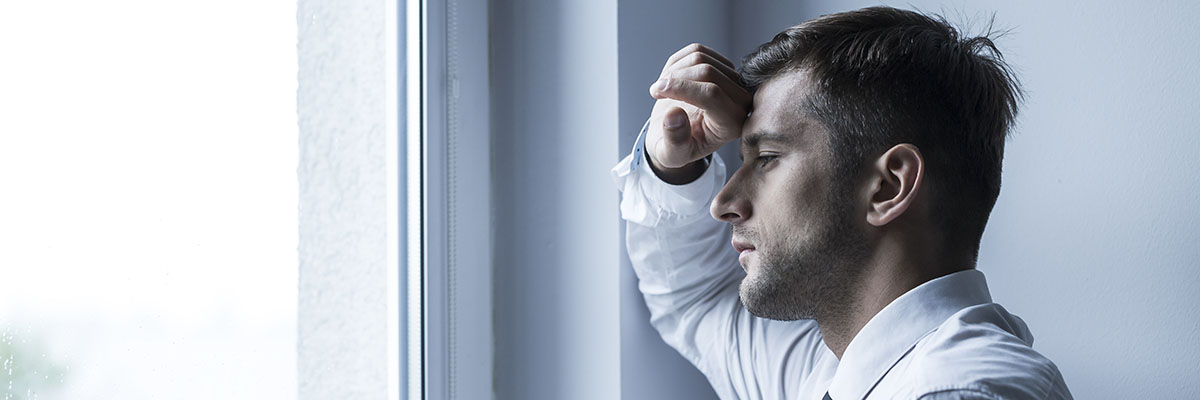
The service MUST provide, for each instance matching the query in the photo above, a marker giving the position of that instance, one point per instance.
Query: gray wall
(1093, 240)
(570, 322)
(649, 32)
(554, 98)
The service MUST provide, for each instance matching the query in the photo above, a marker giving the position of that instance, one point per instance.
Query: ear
(895, 179)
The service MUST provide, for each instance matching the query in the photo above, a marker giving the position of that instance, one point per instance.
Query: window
(148, 219)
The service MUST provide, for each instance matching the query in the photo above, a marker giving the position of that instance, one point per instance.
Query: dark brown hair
(882, 76)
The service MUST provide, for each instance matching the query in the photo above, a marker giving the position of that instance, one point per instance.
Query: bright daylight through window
(149, 200)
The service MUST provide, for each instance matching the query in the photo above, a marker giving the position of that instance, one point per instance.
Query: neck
(875, 292)
(885, 276)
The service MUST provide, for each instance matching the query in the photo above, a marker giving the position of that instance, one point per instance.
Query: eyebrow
(763, 136)
(757, 137)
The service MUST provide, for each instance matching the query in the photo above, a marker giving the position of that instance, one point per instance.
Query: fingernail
(674, 121)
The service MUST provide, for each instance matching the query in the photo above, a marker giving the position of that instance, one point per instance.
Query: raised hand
(701, 106)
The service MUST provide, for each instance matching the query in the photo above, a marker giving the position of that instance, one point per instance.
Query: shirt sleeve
(1058, 392)
(688, 274)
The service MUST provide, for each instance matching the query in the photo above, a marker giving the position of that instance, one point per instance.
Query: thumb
(677, 130)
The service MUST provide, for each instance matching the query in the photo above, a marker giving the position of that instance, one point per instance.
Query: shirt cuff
(648, 200)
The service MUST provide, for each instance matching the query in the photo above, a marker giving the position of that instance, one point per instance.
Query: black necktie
(826, 396)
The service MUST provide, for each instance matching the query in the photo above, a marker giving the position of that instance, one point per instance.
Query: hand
(701, 106)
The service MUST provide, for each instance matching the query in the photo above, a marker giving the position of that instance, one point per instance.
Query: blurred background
(148, 199)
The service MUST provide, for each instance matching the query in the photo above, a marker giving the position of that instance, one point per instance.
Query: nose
(732, 203)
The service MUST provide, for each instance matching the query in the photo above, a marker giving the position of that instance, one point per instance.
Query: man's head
(865, 123)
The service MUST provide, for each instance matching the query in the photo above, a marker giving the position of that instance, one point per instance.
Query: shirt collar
(892, 332)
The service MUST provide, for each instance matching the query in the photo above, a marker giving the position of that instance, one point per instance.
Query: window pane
(148, 199)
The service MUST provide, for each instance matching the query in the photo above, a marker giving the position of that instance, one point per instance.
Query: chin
(765, 303)
(772, 299)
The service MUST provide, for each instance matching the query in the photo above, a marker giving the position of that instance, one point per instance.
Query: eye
(764, 159)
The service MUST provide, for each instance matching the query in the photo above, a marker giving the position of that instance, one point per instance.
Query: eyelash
(762, 160)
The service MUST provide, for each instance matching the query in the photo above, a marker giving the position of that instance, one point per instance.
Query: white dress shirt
(944, 339)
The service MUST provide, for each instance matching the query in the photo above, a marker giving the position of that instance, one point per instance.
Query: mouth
(741, 246)
(744, 250)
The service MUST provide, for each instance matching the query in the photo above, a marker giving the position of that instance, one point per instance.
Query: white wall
(1093, 240)
(342, 343)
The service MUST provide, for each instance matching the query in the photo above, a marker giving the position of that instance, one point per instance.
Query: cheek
(799, 193)
(786, 210)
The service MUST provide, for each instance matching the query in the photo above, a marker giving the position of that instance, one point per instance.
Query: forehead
(779, 109)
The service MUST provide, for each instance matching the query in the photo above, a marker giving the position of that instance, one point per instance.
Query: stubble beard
(809, 277)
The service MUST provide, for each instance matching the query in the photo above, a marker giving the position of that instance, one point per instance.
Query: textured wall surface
(1093, 240)
(342, 304)
(554, 102)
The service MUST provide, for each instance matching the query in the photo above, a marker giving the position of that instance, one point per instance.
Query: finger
(701, 58)
(704, 95)
(710, 73)
(697, 47)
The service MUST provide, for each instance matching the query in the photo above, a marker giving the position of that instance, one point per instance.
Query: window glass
(148, 199)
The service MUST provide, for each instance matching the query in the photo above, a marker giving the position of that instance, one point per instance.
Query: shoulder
(960, 394)
(984, 351)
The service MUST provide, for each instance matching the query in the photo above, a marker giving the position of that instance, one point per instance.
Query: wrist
(682, 175)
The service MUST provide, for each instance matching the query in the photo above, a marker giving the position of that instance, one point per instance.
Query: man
(871, 161)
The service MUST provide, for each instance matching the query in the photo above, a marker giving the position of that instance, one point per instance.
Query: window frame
(448, 216)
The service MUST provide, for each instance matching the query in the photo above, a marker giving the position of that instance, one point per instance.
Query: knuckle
(695, 58)
(708, 72)
(670, 84)
(669, 81)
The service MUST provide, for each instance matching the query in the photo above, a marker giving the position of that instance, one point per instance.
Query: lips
(741, 246)
(744, 250)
